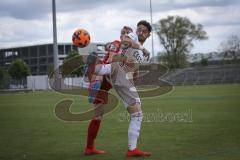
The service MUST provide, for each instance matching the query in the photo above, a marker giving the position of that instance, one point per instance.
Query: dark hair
(146, 24)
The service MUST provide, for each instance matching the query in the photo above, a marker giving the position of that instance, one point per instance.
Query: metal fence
(13, 84)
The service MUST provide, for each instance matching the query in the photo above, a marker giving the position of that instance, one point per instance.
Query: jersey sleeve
(113, 47)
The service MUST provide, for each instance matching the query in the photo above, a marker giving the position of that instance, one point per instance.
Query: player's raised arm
(130, 40)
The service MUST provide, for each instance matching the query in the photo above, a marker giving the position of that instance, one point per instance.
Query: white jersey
(134, 56)
(139, 56)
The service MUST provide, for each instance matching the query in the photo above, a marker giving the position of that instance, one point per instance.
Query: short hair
(146, 24)
(127, 28)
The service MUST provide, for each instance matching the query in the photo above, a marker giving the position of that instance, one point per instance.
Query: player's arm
(135, 76)
(113, 57)
(113, 49)
(129, 41)
(118, 58)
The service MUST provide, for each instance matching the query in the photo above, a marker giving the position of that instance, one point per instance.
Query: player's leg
(132, 102)
(93, 129)
(103, 69)
(93, 68)
(93, 88)
(134, 125)
(95, 123)
(134, 131)
(98, 95)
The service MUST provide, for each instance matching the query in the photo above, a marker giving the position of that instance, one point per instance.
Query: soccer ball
(81, 38)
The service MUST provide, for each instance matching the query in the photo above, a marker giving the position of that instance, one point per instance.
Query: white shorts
(122, 84)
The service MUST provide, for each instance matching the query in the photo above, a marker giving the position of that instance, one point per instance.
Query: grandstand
(220, 74)
(156, 74)
(150, 74)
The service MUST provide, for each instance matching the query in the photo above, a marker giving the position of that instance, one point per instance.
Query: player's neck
(141, 42)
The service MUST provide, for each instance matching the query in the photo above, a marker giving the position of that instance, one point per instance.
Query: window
(10, 53)
(33, 51)
(61, 49)
(42, 50)
(42, 61)
(50, 50)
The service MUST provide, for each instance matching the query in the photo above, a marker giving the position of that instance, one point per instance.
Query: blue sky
(26, 22)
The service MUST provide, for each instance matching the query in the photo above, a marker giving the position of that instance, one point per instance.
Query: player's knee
(93, 88)
(98, 110)
(103, 69)
(98, 117)
(134, 108)
(138, 116)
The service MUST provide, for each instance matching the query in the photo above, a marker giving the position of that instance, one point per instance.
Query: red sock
(93, 128)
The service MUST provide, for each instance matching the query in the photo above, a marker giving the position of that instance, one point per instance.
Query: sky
(29, 22)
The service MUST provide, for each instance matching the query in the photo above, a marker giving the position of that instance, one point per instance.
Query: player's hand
(135, 76)
(110, 57)
(146, 53)
(107, 46)
(129, 60)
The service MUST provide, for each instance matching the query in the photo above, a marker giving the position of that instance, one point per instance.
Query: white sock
(134, 130)
(103, 69)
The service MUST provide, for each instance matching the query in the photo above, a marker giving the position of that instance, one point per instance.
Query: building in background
(39, 57)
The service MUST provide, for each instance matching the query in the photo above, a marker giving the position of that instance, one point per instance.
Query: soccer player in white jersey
(122, 78)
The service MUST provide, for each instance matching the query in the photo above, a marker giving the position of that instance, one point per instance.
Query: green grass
(30, 129)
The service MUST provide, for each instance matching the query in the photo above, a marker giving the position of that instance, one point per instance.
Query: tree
(18, 69)
(2, 73)
(50, 69)
(204, 61)
(3, 76)
(176, 35)
(232, 43)
(79, 59)
(231, 47)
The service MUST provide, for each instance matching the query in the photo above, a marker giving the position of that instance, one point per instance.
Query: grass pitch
(190, 123)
